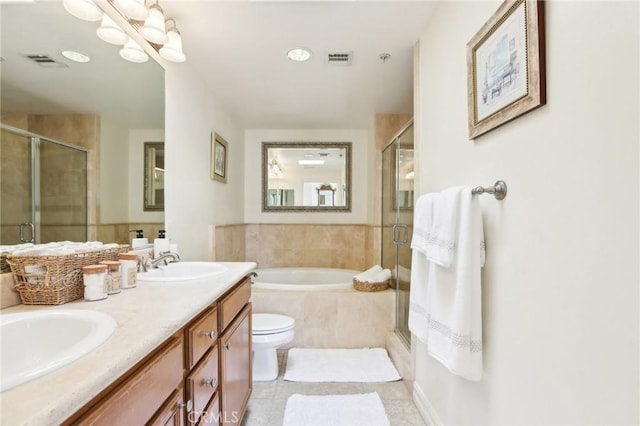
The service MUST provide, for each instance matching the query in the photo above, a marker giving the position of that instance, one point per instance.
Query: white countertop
(146, 315)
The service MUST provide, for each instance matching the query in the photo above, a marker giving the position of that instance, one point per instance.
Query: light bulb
(154, 28)
(110, 32)
(83, 9)
(172, 50)
(133, 52)
(134, 9)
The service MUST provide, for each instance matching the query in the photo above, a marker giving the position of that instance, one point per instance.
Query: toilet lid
(271, 323)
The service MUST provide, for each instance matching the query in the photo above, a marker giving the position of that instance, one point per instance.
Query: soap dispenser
(160, 244)
(139, 240)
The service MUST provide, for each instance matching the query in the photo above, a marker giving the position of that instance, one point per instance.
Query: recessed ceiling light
(299, 54)
(75, 56)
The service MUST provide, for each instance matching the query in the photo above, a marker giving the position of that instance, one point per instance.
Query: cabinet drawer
(234, 302)
(202, 383)
(172, 412)
(211, 416)
(201, 336)
(140, 396)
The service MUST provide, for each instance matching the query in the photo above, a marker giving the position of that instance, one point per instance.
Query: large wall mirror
(306, 176)
(128, 97)
(154, 176)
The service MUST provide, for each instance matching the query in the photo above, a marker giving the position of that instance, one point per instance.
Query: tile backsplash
(305, 245)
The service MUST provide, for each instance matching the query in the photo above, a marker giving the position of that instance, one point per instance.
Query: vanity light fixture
(172, 50)
(311, 162)
(299, 54)
(154, 28)
(75, 56)
(163, 35)
(132, 52)
(83, 9)
(133, 9)
(110, 32)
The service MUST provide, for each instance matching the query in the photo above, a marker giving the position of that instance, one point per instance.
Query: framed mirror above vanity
(306, 176)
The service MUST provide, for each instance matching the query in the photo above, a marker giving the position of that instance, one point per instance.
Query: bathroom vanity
(181, 354)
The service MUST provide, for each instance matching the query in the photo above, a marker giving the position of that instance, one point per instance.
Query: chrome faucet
(162, 259)
(140, 265)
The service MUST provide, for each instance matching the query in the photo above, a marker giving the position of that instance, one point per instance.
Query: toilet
(269, 331)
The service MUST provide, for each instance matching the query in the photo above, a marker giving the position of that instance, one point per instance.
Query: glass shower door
(63, 193)
(17, 222)
(397, 221)
(43, 186)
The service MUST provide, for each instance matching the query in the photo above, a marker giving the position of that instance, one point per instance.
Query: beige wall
(196, 203)
(560, 284)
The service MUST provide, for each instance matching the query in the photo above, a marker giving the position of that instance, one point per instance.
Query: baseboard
(424, 406)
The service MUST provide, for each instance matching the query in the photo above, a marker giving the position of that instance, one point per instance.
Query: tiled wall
(119, 232)
(309, 245)
(332, 319)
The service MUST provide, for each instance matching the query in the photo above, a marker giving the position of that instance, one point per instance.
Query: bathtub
(304, 279)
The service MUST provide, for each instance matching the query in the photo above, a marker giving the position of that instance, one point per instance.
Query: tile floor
(269, 399)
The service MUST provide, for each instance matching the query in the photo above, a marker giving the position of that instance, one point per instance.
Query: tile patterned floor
(268, 400)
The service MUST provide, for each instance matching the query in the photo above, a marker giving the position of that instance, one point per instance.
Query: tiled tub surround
(332, 319)
(146, 315)
(305, 245)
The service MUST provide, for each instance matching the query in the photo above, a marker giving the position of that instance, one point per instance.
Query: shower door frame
(35, 140)
(399, 227)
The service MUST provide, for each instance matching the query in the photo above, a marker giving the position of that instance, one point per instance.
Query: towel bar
(499, 190)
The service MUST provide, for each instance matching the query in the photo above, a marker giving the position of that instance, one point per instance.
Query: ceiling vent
(45, 61)
(340, 58)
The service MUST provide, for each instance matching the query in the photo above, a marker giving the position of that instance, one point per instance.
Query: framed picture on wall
(219, 157)
(506, 66)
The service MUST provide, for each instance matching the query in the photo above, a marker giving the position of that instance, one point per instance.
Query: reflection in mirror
(306, 176)
(404, 197)
(154, 176)
(106, 106)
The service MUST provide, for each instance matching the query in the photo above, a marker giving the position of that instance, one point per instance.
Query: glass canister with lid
(95, 283)
(113, 276)
(128, 269)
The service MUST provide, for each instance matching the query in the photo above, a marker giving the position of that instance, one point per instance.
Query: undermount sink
(182, 271)
(38, 342)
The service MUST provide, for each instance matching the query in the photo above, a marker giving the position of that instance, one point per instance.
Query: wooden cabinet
(201, 375)
(201, 336)
(138, 398)
(201, 384)
(235, 368)
(172, 412)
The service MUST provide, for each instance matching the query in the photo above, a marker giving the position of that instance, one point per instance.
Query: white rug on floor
(335, 410)
(340, 365)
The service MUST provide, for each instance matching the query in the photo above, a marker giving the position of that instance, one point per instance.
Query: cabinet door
(201, 384)
(140, 396)
(173, 411)
(235, 368)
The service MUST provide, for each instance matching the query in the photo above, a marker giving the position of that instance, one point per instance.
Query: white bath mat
(340, 365)
(335, 410)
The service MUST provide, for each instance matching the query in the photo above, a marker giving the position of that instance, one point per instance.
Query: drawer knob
(211, 382)
(188, 405)
(227, 346)
(211, 334)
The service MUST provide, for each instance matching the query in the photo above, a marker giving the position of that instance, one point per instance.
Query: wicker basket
(364, 286)
(54, 280)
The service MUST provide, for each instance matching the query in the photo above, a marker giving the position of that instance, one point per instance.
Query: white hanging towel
(445, 302)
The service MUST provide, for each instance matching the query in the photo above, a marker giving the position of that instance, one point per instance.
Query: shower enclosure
(397, 220)
(43, 189)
